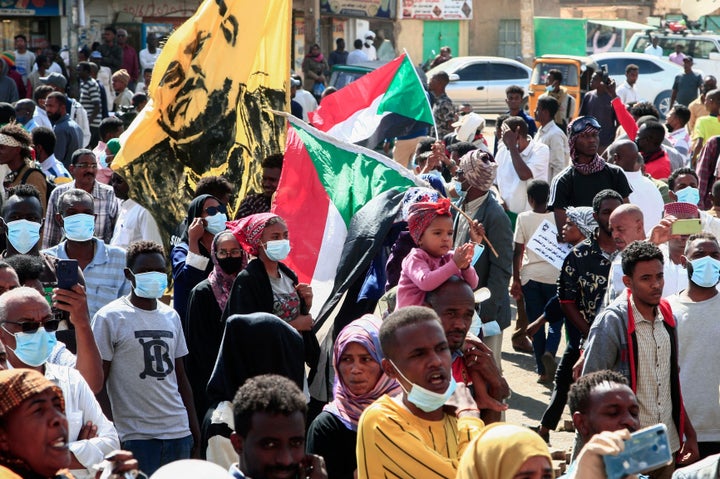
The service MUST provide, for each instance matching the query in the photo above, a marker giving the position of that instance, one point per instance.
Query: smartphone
(66, 271)
(686, 227)
(605, 75)
(647, 449)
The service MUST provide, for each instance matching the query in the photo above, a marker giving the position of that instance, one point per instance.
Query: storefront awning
(623, 24)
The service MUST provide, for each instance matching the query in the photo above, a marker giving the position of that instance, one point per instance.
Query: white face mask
(425, 399)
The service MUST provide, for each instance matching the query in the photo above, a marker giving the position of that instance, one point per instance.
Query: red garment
(130, 62)
(625, 119)
(657, 165)
(17, 78)
(459, 371)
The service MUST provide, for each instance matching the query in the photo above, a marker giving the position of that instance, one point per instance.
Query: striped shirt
(90, 99)
(106, 212)
(104, 277)
(653, 374)
(393, 442)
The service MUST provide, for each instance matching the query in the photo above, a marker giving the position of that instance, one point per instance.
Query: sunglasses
(30, 327)
(213, 210)
(579, 125)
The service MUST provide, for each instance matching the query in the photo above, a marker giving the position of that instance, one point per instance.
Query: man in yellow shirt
(697, 106)
(424, 431)
(706, 126)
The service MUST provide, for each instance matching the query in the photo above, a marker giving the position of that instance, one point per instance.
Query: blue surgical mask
(34, 349)
(688, 195)
(150, 285)
(23, 235)
(705, 271)
(79, 227)
(102, 159)
(425, 399)
(549, 88)
(458, 189)
(216, 223)
(277, 250)
(477, 252)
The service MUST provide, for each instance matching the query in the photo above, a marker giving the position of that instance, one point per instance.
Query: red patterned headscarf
(422, 214)
(248, 231)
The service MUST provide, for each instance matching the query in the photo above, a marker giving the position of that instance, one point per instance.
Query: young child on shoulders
(433, 261)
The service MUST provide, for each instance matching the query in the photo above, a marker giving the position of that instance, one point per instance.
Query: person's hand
(510, 139)
(461, 403)
(74, 301)
(662, 232)
(516, 289)
(87, 431)
(590, 464)
(462, 256)
(535, 326)
(312, 466)
(196, 230)
(479, 359)
(477, 232)
(303, 322)
(578, 367)
(689, 452)
(120, 462)
(612, 87)
(304, 290)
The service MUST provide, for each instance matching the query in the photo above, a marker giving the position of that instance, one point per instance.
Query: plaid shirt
(106, 212)
(104, 277)
(253, 204)
(706, 171)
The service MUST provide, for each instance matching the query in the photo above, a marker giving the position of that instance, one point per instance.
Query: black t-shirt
(329, 438)
(570, 188)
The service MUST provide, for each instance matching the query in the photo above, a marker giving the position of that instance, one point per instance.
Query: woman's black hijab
(194, 210)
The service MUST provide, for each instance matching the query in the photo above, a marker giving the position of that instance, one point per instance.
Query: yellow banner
(213, 85)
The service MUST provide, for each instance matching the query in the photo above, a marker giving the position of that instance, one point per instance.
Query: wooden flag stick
(472, 221)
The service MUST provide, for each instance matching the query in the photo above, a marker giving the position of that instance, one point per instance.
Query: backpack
(49, 185)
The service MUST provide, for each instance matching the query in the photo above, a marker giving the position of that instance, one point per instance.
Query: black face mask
(230, 265)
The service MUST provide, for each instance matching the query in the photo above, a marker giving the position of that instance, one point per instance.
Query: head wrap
(499, 451)
(597, 163)
(248, 231)
(9, 58)
(113, 146)
(17, 385)
(479, 168)
(680, 209)
(346, 406)
(121, 75)
(582, 217)
(220, 281)
(417, 194)
(244, 353)
(195, 210)
(8, 140)
(422, 214)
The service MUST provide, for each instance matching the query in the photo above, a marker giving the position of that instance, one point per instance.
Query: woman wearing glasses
(203, 324)
(27, 329)
(191, 257)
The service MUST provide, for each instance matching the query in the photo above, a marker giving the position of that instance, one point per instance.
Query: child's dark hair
(538, 191)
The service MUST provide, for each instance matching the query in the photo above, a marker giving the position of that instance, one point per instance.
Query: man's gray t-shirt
(687, 85)
(142, 383)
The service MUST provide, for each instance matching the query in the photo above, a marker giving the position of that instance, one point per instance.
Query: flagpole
(437, 138)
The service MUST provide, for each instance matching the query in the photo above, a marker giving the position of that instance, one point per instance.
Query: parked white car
(655, 80)
(481, 81)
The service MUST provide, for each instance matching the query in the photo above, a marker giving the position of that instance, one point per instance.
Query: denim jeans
(152, 454)
(563, 378)
(536, 296)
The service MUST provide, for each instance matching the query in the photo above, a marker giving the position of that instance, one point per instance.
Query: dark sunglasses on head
(213, 210)
(32, 326)
(579, 125)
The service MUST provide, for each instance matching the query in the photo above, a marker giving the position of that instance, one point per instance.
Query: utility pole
(312, 21)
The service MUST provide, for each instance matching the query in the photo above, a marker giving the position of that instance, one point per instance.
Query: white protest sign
(544, 243)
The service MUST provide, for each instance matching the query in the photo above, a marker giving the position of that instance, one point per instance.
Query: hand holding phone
(645, 450)
(66, 271)
(686, 227)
